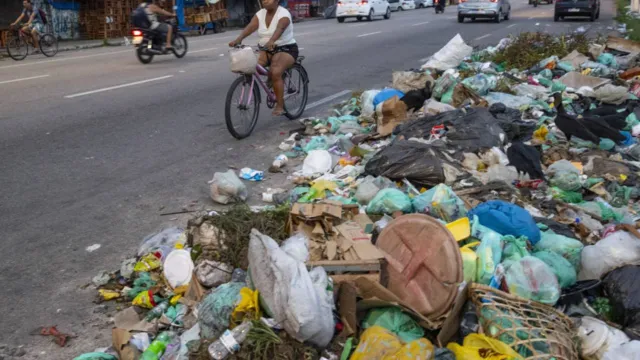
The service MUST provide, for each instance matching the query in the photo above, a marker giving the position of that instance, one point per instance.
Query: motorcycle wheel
(180, 46)
(143, 56)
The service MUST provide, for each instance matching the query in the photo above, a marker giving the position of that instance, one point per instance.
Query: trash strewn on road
(482, 207)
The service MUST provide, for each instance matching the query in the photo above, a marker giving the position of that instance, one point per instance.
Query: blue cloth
(385, 95)
(628, 138)
(507, 219)
(27, 14)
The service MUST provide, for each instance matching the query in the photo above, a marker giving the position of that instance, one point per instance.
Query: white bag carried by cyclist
(243, 60)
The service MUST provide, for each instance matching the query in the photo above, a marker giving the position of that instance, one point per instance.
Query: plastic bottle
(157, 347)
(229, 342)
(280, 161)
(157, 311)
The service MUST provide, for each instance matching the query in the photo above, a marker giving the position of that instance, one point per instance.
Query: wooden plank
(352, 277)
(344, 266)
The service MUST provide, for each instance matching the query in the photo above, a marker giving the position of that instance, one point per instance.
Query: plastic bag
(568, 248)
(612, 94)
(164, 239)
(623, 289)
(507, 219)
(226, 188)
(469, 262)
(489, 254)
(243, 60)
(378, 343)
(532, 279)
(287, 290)
(481, 83)
(96, 356)
(565, 272)
(532, 91)
(214, 312)
(440, 202)
(434, 107)
(366, 191)
(450, 56)
(396, 321)
(596, 338)
(443, 88)
(407, 159)
(482, 347)
(406, 81)
(627, 351)
(515, 248)
(366, 102)
(616, 250)
(388, 201)
(566, 180)
(385, 95)
(317, 162)
(512, 101)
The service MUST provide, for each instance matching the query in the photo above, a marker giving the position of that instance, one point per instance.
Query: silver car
(484, 9)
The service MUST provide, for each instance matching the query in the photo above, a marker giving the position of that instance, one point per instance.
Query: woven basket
(534, 330)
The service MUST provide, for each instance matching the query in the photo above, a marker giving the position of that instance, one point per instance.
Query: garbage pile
(472, 210)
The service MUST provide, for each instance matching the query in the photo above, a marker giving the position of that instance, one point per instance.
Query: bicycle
(296, 81)
(18, 44)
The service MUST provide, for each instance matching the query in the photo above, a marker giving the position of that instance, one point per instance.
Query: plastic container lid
(424, 263)
(178, 268)
(593, 334)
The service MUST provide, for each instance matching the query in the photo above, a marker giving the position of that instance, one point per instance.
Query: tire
(556, 18)
(592, 17)
(302, 82)
(181, 41)
(370, 17)
(460, 18)
(598, 14)
(498, 18)
(508, 14)
(17, 48)
(242, 81)
(387, 15)
(400, 8)
(359, 18)
(340, 20)
(48, 45)
(142, 56)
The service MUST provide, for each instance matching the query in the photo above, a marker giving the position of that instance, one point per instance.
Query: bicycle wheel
(48, 45)
(240, 112)
(296, 91)
(17, 48)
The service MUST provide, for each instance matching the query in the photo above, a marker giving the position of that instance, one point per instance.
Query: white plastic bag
(434, 107)
(450, 56)
(366, 99)
(627, 351)
(317, 162)
(243, 60)
(226, 187)
(618, 249)
(288, 292)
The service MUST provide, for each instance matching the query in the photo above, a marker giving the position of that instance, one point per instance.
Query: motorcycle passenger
(277, 46)
(152, 11)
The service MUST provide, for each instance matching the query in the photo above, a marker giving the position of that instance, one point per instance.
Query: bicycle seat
(300, 59)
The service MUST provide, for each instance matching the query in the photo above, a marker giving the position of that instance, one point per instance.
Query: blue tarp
(65, 5)
(507, 219)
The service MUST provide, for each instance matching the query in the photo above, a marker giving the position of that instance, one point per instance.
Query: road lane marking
(483, 36)
(117, 87)
(356, 25)
(203, 50)
(369, 34)
(530, 18)
(23, 79)
(327, 99)
(422, 23)
(510, 26)
(65, 59)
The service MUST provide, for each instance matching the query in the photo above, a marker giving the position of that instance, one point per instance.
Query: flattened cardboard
(452, 322)
(391, 113)
(347, 297)
(195, 291)
(317, 210)
(575, 58)
(120, 341)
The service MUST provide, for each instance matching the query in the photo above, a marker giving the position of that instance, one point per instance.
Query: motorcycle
(440, 4)
(150, 43)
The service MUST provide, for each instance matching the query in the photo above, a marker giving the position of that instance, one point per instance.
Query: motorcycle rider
(440, 4)
(152, 11)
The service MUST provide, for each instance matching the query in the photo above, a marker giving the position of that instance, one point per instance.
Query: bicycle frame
(271, 95)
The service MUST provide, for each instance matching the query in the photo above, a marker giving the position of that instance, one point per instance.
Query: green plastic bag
(489, 251)
(388, 201)
(632, 120)
(316, 143)
(566, 180)
(566, 196)
(561, 267)
(532, 279)
(440, 202)
(515, 248)
(546, 73)
(396, 321)
(95, 356)
(570, 249)
(557, 86)
(606, 144)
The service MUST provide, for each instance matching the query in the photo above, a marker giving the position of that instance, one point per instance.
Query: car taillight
(364, 2)
(137, 33)
(494, 1)
(340, 3)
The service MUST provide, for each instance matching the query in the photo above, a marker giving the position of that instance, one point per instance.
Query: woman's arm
(248, 30)
(282, 26)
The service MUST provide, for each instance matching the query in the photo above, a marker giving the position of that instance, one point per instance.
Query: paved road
(95, 145)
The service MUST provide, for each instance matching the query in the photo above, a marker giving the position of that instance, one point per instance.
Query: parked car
(362, 9)
(484, 9)
(577, 8)
(421, 4)
(407, 5)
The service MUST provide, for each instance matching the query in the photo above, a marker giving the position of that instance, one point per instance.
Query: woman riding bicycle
(278, 48)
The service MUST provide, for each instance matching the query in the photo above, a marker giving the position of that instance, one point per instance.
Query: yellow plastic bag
(541, 134)
(481, 347)
(469, 262)
(145, 300)
(147, 263)
(378, 343)
(109, 294)
(248, 305)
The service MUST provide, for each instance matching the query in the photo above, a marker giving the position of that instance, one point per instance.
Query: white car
(362, 9)
(421, 4)
(401, 5)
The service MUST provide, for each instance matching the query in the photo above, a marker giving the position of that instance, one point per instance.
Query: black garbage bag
(417, 162)
(510, 120)
(469, 130)
(558, 228)
(622, 287)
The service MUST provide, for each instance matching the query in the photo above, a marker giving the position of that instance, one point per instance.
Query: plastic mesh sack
(563, 269)
(532, 279)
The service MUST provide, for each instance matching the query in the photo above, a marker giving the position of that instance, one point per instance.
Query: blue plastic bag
(385, 95)
(507, 219)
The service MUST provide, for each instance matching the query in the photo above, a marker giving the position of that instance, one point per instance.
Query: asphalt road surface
(95, 145)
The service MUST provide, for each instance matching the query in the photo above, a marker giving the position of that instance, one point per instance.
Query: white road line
(483, 36)
(369, 34)
(23, 79)
(356, 25)
(327, 99)
(510, 26)
(65, 59)
(202, 50)
(530, 18)
(117, 87)
(422, 23)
